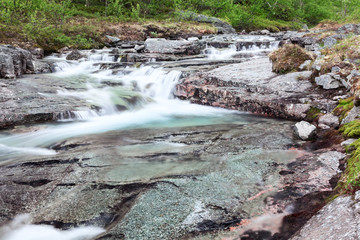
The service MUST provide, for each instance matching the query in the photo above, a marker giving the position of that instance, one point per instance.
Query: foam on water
(20, 229)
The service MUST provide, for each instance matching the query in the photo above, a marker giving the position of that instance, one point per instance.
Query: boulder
(329, 120)
(327, 82)
(161, 45)
(305, 66)
(337, 220)
(349, 28)
(14, 61)
(305, 130)
(74, 55)
(221, 26)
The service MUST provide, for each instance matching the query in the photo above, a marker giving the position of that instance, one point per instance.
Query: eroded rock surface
(252, 86)
(14, 61)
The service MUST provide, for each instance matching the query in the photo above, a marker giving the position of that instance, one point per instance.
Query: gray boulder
(327, 82)
(305, 130)
(161, 45)
(74, 55)
(349, 28)
(328, 121)
(221, 26)
(337, 220)
(113, 40)
(14, 61)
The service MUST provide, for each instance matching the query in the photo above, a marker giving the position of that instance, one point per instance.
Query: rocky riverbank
(290, 178)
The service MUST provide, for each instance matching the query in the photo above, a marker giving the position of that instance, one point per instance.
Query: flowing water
(138, 101)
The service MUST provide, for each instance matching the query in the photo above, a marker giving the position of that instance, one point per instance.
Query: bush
(289, 58)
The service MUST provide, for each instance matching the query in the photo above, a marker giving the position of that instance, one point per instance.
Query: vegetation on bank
(52, 24)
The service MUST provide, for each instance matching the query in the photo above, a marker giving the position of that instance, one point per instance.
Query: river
(136, 163)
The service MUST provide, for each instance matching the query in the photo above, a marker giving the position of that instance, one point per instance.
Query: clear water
(146, 95)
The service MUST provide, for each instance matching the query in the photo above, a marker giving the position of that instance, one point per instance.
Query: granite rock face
(252, 86)
(14, 61)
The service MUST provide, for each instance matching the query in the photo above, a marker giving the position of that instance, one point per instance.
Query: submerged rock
(305, 130)
(14, 61)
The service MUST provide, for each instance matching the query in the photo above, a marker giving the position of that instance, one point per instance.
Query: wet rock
(329, 42)
(303, 41)
(14, 61)
(329, 121)
(337, 220)
(74, 55)
(305, 130)
(42, 67)
(221, 26)
(252, 86)
(37, 53)
(22, 102)
(160, 45)
(327, 82)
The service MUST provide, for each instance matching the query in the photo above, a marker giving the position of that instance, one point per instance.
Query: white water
(20, 229)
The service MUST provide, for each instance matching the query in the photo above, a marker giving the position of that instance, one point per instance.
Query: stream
(133, 162)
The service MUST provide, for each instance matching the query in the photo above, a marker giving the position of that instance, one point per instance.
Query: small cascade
(70, 116)
(216, 54)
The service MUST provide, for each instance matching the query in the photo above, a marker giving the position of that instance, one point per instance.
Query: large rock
(74, 55)
(305, 130)
(329, 42)
(252, 86)
(161, 45)
(221, 26)
(328, 82)
(337, 220)
(14, 61)
(329, 120)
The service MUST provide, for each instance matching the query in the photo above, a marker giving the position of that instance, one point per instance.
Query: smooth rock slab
(305, 130)
(329, 120)
(161, 45)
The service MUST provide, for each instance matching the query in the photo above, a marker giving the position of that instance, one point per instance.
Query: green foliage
(344, 106)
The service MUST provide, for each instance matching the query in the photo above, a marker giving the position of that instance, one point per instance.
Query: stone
(305, 66)
(113, 40)
(265, 32)
(353, 114)
(329, 120)
(335, 221)
(305, 130)
(221, 26)
(335, 69)
(348, 142)
(37, 53)
(74, 55)
(161, 45)
(14, 61)
(139, 48)
(349, 28)
(327, 82)
(329, 42)
(42, 66)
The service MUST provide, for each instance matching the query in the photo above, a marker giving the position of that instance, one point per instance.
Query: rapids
(138, 98)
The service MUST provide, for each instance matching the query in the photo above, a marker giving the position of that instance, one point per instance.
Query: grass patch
(289, 58)
(351, 129)
(313, 114)
(349, 182)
